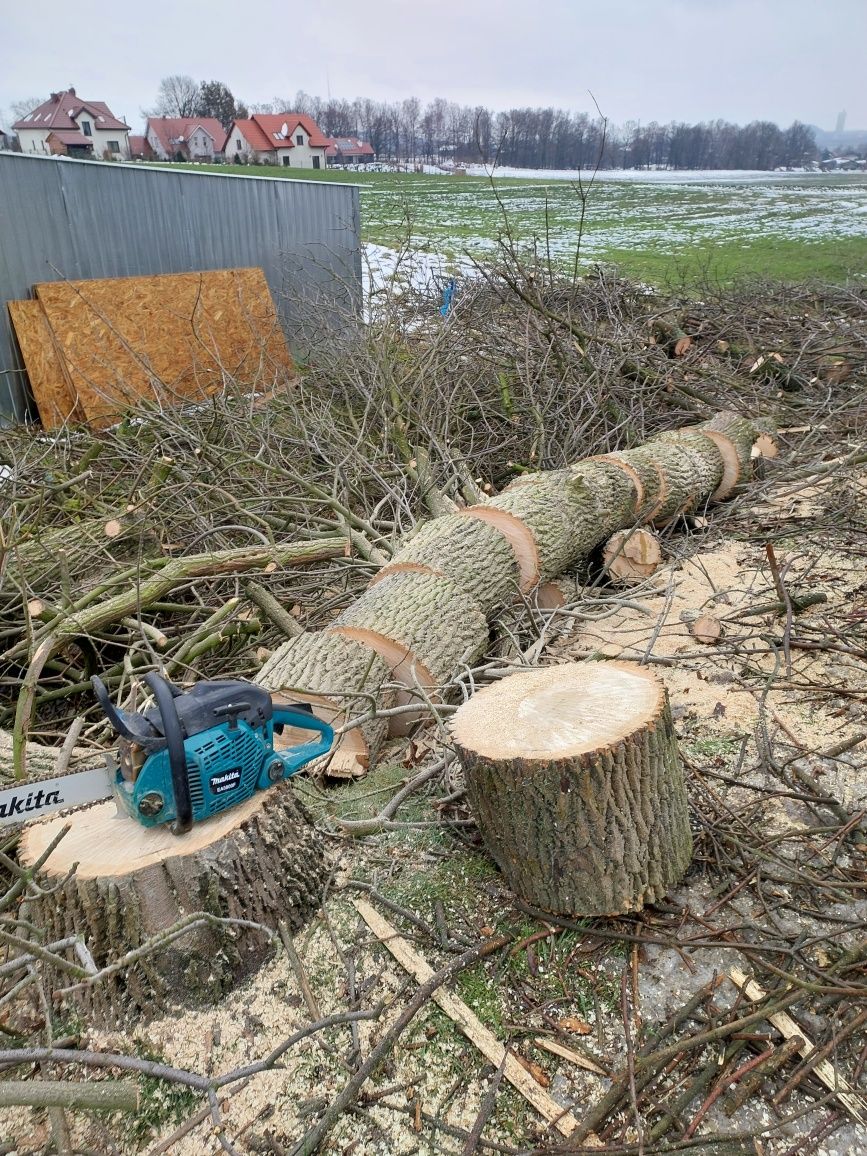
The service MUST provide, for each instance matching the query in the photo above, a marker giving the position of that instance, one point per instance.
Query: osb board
(165, 338)
(51, 389)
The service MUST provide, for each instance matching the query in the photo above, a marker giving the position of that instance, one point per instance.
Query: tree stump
(260, 861)
(575, 781)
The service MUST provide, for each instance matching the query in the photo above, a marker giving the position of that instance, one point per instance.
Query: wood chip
(573, 1024)
(568, 1054)
(706, 629)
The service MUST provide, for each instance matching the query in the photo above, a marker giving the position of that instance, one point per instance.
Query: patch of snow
(655, 176)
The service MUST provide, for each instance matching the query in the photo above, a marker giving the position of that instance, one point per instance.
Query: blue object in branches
(448, 294)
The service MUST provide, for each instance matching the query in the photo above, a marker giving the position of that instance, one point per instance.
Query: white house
(194, 138)
(67, 125)
(290, 139)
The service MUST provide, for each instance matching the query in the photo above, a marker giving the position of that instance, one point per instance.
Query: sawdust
(705, 681)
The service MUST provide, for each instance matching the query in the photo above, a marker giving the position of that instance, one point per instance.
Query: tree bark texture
(425, 613)
(261, 861)
(574, 777)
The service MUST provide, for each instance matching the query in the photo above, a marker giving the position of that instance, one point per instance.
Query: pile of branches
(157, 543)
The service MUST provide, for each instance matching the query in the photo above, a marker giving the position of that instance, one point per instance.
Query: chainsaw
(192, 755)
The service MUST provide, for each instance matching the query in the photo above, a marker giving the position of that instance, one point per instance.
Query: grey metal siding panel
(77, 219)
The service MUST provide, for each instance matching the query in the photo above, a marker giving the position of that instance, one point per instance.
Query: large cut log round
(574, 777)
(261, 861)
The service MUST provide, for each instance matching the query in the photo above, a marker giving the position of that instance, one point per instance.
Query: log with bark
(425, 612)
(575, 781)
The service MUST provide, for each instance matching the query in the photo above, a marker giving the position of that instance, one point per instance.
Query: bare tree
(18, 109)
(177, 95)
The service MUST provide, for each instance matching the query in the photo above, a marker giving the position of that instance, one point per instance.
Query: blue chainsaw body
(202, 751)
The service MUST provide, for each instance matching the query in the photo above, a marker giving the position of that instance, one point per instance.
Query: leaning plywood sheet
(167, 338)
(51, 389)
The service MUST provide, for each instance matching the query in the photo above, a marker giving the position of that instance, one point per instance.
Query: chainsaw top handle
(164, 694)
(300, 716)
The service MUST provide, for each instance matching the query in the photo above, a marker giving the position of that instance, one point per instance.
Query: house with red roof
(191, 138)
(290, 139)
(66, 125)
(349, 150)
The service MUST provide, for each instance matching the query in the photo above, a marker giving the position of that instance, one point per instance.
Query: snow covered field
(792, 225)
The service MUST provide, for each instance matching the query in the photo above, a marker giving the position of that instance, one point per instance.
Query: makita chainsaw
(194, 754)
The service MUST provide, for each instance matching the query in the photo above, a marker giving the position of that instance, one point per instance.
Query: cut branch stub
(260, 861)
(574, 778)
(734, 437)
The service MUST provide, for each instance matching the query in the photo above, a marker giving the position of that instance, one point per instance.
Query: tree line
(536, 138)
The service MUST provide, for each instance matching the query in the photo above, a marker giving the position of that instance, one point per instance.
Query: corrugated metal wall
(62, 219)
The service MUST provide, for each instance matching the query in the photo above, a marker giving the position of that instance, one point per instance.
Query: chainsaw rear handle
(293, 760)
(165, 694)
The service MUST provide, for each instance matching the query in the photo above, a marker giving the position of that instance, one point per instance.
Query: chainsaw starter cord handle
(164, 694)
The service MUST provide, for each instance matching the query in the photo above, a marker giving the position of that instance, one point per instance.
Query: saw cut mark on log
(574, 778)
(631, 473)
(422, 625)
(518, 535)
(784, 1023)
(469, 1023)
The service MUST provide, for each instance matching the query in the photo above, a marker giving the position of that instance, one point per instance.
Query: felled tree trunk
(262, 862)
(574, 778)
(425, 613)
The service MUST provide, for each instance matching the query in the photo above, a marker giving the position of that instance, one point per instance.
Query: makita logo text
(19, 804)
(225, 781)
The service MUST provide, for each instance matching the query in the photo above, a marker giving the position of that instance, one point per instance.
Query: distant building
(191, 138)
(69, 126)
(348, 150)
(139, 149)
(8, 140)
(290, 139)
(841, 122)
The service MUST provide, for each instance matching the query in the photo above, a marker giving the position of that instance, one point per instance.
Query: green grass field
(670, 230)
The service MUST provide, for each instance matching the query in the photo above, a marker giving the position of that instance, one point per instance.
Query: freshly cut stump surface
(260, 861)
(574, 778)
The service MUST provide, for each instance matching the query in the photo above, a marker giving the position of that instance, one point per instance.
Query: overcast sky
(741, 60)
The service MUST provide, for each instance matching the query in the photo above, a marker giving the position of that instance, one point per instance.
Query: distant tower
(841, 121)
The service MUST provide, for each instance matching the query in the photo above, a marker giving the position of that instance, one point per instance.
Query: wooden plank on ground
(469, 1023)
(167, 338)
(785, 1024)
(49, 384)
